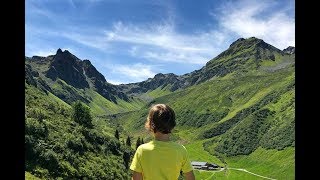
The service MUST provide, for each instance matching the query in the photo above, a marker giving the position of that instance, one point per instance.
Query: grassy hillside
(59, 147)
(98, 104)
(215, 102)
(233, 117)
(160, 91)
(275, 164)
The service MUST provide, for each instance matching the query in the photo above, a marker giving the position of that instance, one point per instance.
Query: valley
(238, 111)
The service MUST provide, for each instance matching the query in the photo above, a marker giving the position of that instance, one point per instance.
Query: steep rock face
(73, 71)
(30, 74)
(100, 84)
(32, 77)
(91, 71)
(159, 80)
(290, 50)
(67, 67)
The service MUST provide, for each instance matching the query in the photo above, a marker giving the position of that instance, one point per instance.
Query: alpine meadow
(237, 111)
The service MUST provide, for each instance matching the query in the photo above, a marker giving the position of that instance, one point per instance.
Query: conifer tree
(138, 143)
(116, 134)
(128, 141)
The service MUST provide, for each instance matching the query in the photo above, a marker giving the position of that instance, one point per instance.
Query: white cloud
(43, 52)
(115, 82)
(131, 73)
(245, 19)
(89, 39)
(161, 42)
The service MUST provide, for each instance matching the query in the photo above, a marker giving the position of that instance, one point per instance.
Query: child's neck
(161, 137)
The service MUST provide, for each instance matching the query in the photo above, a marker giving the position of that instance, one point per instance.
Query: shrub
(81, 115)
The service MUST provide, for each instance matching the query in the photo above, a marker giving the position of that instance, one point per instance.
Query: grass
(29, 176)
(197, 153)
(204, 175)
(160, 91)
(270, 163)
(231, 95)
(58, 147)
(97, 103)
(256, 97)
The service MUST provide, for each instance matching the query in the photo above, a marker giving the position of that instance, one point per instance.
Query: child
(161, 159)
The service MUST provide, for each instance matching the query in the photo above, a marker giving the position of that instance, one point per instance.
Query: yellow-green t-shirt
(160, 160)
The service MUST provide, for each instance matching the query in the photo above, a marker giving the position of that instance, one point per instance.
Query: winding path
(244, 170)
(240, 169)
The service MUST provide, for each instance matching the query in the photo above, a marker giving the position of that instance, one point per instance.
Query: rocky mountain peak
(37, 58)
(92, 72)
(81, 74)
(65, 56)
(159, 75)
(67, 67)
(59, 51)
(290, 50)
(236, 42)
(248, 42)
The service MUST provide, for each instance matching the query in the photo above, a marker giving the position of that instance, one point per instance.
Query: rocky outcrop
(30, 74)
(67, 67)
(290, 50)
(75, 72)
(159, 80)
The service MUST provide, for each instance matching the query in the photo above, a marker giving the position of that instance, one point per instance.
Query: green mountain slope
(236, 114)
(59, 147)
(243, 57)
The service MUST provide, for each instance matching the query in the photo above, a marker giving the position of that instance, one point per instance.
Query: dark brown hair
(161, 118)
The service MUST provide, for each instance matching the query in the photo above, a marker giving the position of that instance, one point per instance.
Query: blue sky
(132, 40)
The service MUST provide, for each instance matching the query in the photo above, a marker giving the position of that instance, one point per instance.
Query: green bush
(81, 114)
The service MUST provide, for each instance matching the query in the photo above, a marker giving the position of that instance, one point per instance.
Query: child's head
(161, 118)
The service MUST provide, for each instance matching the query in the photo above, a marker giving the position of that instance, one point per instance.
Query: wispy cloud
(150, 42)
(130, 73)
(44, 52)
(72, 3)
(115, 82)
(162, 42)
(90, 39)
(246, 19)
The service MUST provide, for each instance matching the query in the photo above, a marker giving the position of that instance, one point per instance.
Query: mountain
(290, 50)
(236, 111)
(79, 74)
(243, 57)
(72, 79)
(158, 81)
(67, 67)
